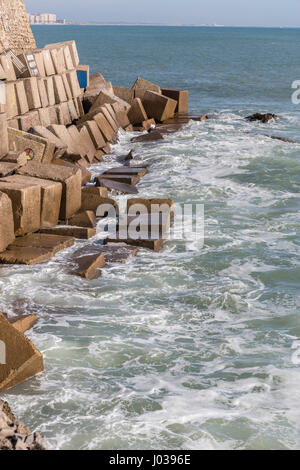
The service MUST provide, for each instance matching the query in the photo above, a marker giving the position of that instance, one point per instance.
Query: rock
(282, 139)
(158, 106)
(181, 96)
(264, 118)
(81, 233)
(14, 435)
(7, 234)
(23, 360)
(70, 179)
(152, 137)
(83, 219)
(88, 266)
(26, 205)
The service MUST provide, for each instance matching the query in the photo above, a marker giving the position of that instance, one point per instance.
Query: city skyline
(228, 13)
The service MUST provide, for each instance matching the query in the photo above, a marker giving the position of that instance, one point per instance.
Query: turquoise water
(190, 348)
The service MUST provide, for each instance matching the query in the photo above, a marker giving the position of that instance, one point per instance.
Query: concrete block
(39, 59)
(49, 85)
(81, 233)
(141, 83)
(154, 245)
(23, 360)
(73, 111)
(73, 83)
(146, 138)
(36, 148)
(8, 67)
(67, 87)
(105, 128)
(59, 89)
(158, 106)
(11, 100)
(8, 168)
(117, 187)
(26, 204)
(29, 120)
(112, 122)
(22, 102)
(53, 114)
(96, 135)
(44, 117)
(126, 94)
(70, 179)
(181, 96)
(58, 59)
(7, 233)
(83, 219)
(93, 197)
(44, 133)
(63, 114)
(32, 93)
(51, 193)
(18, 158)
(87, 144)
(105, 97)
(72, 48)
(4, 147)
(137, 113)
(43, 92)
(48, 63)
(88, 266)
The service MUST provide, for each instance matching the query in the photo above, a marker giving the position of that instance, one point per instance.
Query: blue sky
(227, 12)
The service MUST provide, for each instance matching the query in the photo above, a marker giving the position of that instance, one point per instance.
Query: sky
(222, 12)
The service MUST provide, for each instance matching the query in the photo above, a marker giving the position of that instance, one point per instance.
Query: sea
(198, 346)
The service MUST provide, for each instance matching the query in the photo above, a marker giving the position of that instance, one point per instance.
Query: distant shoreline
(166, 25)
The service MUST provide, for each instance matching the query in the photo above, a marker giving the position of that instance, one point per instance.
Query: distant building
(45, 18)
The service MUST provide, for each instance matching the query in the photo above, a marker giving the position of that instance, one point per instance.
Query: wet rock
(88, 266)
(152, 137)
(14, 435)
(264, 118)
